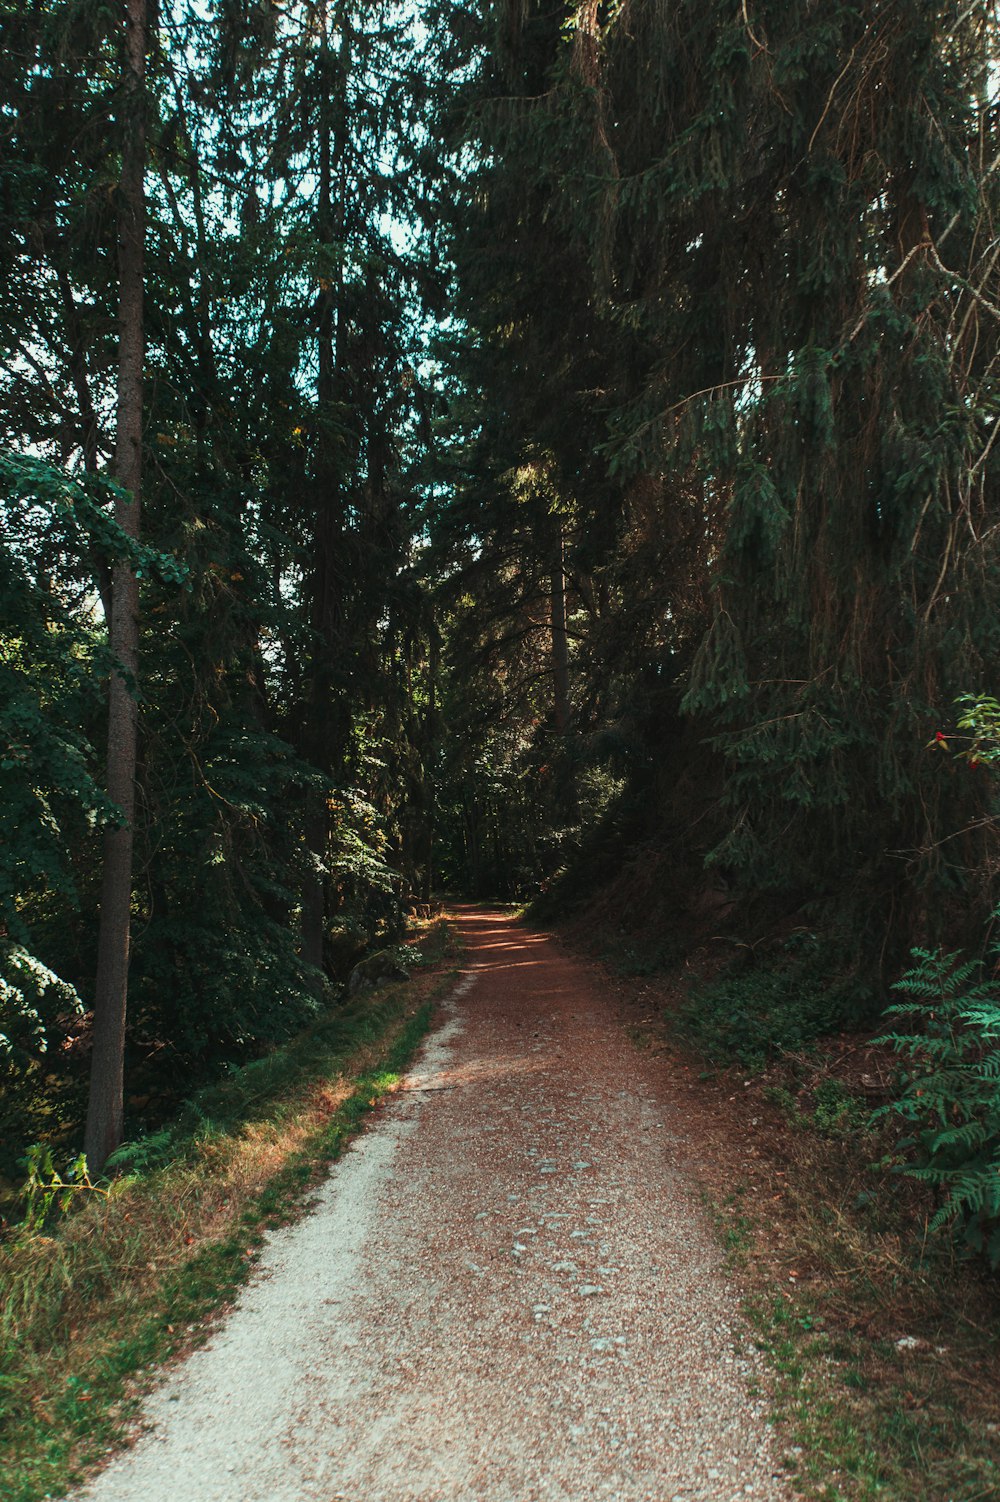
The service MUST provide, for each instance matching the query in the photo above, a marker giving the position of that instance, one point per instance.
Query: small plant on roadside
(46, 1193)
(950, 1092)
(836, 1113)
(751, 1017)
(406, 956)
(802, 989)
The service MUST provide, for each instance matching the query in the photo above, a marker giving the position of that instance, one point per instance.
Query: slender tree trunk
(324, 541)
(560, 642)
(325, 730)
(105, 1108)
(430, 791)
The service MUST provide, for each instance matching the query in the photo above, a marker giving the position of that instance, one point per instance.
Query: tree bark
(106, 1104)
(325, 731)
(430, 793)
(560, 642)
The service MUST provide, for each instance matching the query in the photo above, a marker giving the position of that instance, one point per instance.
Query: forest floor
(882, 1342)
(509, 1288)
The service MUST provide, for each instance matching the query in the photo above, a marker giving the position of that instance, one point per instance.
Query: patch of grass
(125, 1281)
(885, 1359)
(733, 1226)
(830, 1109)
(863, 1423)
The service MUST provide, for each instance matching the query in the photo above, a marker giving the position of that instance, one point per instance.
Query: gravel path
(506, 1290)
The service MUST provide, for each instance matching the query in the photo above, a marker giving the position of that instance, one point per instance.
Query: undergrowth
(834, 1112)
(122, 1281)
(882, 1351)
(949, 1093)
(630, 959)
(755, 1011)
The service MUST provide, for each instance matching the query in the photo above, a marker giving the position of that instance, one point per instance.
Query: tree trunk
(325, 731)
(560, 642)
(430, 793)
(105, 1107)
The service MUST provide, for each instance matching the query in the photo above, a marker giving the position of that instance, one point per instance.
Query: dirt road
(506, 1291)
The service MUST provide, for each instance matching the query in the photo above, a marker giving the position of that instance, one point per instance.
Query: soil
(507, 1290)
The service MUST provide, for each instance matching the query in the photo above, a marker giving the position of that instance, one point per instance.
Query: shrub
(950, 1092)
(37, 1009)
(750, 1018)
(782, 1005)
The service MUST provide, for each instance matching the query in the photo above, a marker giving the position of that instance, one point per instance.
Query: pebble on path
(506, 1291)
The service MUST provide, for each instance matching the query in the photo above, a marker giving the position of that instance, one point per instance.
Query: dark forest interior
(534, 452)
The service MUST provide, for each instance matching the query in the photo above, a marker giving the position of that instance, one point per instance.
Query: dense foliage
(733, 277)
(283, 684)
(569, 430)
(948, 1037)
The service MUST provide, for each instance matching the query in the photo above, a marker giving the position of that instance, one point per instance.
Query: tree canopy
(567, 431)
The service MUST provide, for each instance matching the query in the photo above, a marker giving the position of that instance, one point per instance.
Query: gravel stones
(506, 1291)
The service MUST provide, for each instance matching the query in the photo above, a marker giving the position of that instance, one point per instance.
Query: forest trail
(505, 1291)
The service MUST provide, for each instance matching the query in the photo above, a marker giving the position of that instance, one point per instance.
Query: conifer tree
(743, 292)
(236, 267)
(106, 1103)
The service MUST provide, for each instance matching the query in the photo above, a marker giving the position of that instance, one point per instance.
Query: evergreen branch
(761, 46)
(989, 821)
(962, 281)
(693, 397)
(830, 97)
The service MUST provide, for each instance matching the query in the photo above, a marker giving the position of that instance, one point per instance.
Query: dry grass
(884, 1342)
(126, 1278)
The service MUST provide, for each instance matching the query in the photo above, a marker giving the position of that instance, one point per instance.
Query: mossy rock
(377, 969)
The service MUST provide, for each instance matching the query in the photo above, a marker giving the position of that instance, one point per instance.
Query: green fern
(950, 1092)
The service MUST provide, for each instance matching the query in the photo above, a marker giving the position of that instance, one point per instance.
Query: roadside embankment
(128, 1277)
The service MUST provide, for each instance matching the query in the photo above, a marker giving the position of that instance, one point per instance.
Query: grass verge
(883, 1346)
(127, 1280)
